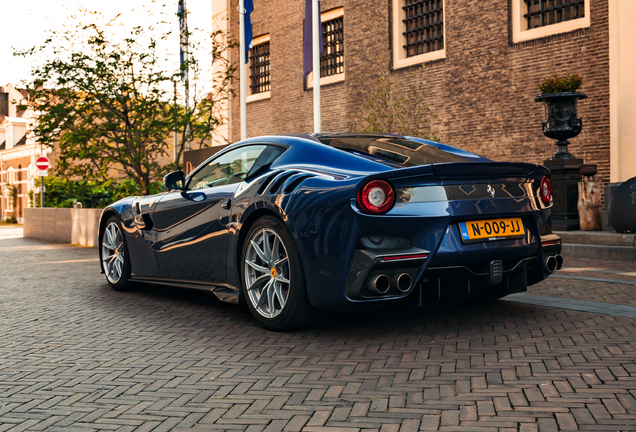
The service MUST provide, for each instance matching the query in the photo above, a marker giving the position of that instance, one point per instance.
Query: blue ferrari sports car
(303, 223)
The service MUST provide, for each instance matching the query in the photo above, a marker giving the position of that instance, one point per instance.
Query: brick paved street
(585, 288)
(77, 356)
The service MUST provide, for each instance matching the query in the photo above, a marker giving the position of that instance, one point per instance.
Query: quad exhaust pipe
(401, 282)
(381, 284)
(553, 263)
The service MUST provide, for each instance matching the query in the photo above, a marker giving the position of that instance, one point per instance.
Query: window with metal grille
(259, 68)
(424, 26)
(545, 12)
(332, 56)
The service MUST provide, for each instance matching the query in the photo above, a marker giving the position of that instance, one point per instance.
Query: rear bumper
(458, 283)
(342, 270)
(433, 284)
(478, 281)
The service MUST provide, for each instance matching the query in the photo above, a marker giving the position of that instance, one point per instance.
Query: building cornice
(21, 151)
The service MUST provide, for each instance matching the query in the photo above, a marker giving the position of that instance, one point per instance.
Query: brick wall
(481, 94)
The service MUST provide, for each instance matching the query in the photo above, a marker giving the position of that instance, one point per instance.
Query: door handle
(227, 204)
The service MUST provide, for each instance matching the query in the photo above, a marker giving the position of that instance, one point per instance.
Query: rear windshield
(391, 150)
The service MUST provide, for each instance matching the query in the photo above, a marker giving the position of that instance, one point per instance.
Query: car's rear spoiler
(477, 169)
(468, 169)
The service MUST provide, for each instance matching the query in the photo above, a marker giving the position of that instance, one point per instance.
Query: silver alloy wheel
(113, 253)
(267, 275)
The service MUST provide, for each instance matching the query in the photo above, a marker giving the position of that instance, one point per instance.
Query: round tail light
(545, 190)
(376, 197)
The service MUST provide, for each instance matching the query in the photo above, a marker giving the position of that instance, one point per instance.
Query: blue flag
(183, 36)
(308, 38)
(249, 8)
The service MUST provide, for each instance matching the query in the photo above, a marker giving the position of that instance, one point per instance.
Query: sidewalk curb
(598, 252)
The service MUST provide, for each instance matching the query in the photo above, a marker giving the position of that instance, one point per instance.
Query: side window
(231, 167)
(265, 159)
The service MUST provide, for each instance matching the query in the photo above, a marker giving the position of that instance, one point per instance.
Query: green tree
(391, 105)
(104, 96)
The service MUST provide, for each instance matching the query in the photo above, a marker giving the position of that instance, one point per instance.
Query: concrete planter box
(64, 225)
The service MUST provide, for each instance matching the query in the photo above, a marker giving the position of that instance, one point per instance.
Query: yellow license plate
(491, 229)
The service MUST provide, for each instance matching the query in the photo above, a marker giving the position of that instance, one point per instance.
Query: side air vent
(295, 182)
(384, 242)
(277, 184)
(267, 182)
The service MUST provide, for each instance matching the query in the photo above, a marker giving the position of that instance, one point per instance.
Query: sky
(25, 23)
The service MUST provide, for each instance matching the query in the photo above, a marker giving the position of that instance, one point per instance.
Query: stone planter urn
(562, 122)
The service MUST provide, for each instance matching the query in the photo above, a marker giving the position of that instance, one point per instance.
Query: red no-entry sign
(42, 163)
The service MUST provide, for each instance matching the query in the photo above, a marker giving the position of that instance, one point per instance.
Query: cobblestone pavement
(77, 356)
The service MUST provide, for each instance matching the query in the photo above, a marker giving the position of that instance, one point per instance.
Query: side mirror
(174, 180)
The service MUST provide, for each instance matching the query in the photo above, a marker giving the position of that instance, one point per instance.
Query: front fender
(117, 209)
(143, 261)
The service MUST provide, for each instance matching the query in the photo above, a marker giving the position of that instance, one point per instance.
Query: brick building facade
(18, 152)
(479, 90)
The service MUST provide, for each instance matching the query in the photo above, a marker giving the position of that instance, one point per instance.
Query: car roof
(396, 151)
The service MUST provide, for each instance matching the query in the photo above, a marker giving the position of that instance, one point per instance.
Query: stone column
(622, 64)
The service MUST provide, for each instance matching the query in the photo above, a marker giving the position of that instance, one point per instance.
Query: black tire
(115, 260)
(286, 306)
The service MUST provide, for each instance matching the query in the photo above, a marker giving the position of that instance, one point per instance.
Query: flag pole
(242, 78)
(316, 30)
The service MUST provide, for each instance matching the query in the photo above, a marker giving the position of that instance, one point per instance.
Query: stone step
(599, 252)
(598, 238)
(607, 245)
